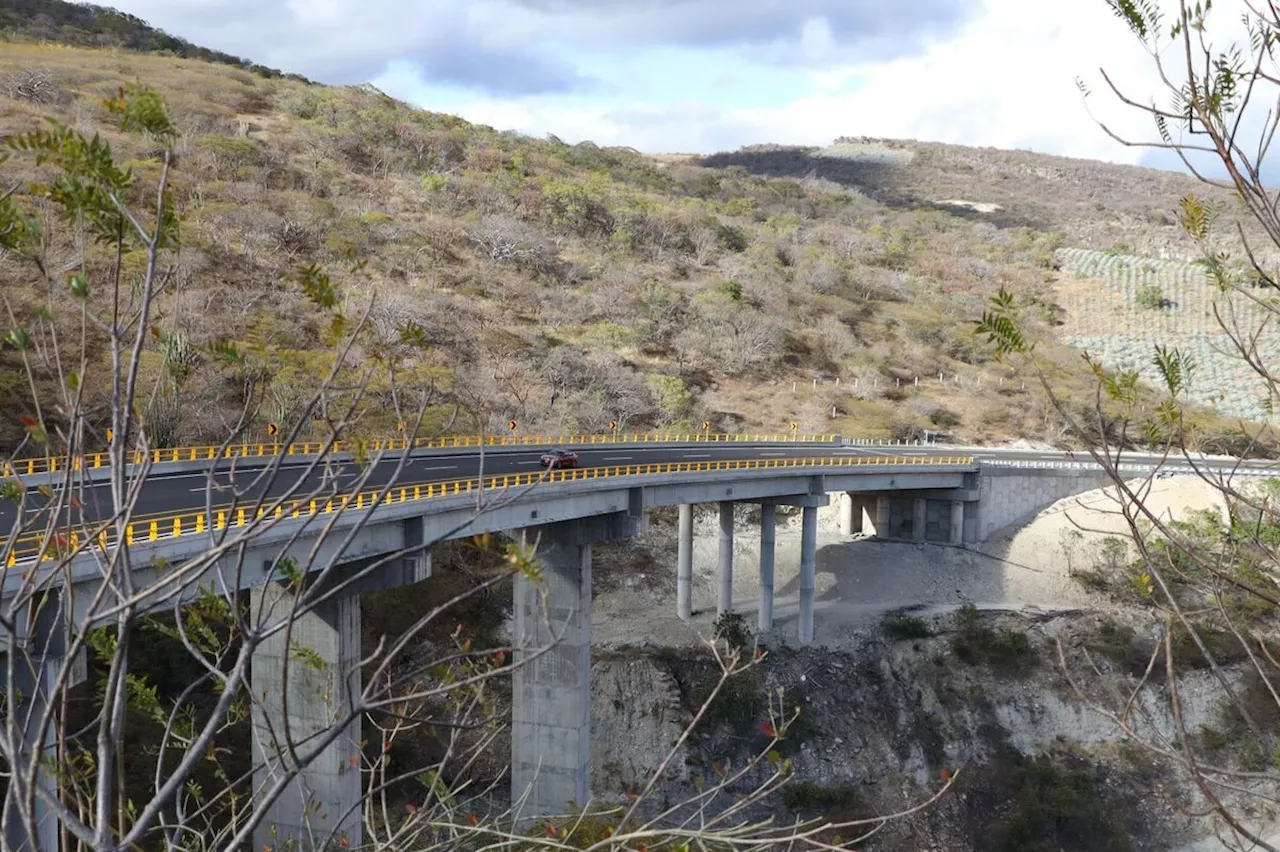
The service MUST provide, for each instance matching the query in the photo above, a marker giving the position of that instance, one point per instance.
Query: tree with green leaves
(1207, 581)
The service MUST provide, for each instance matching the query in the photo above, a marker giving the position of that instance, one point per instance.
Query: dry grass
(657, 291)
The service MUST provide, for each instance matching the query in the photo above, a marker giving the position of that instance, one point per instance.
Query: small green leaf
(19, 339)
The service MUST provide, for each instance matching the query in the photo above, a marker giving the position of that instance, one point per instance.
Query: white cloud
(1006, 79)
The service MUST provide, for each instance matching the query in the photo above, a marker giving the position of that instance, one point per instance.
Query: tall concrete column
(37, 653)
(684, 563)
(768, 550)
(919, 518)
(37, 684)
(808, 570)
(846, 513)
(551, 700)
(724, 576)
(322, 804)
(883, 514)
(957, 522)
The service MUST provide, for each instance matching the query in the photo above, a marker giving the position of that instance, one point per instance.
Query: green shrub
(730, 288)
(1045, 803)
(812, 796)
(900, 627)
(1150, 296)
(1006, 651)
(736, 708)
(670, 395)
(732, 628)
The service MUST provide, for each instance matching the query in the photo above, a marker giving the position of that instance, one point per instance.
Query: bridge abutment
(304, 680)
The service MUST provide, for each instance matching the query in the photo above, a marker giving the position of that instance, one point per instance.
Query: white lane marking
(527, 462)
(616, 458)
(697, 456)
(773, 455)
(446, 467)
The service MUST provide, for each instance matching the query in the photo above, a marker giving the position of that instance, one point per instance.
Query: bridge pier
(324, 800)
(684, 563)
(550, 690)
(768, 552)
(919, 518)
(724, 575)
(808, 570)
(38, 656)
(36, 682)
(957, 522)
(847, 508)
(883, 515)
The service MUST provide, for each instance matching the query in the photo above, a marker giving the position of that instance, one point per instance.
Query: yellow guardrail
(90, 461)
(220, 518)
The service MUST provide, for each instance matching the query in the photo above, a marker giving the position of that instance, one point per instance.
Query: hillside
(567, 286)
(88, 25)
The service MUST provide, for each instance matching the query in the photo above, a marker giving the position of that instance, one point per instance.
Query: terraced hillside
(1119, 305)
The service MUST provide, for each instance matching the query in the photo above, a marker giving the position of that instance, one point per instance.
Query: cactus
(178, 355)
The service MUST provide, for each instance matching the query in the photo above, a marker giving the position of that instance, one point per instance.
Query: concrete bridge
(895, 493)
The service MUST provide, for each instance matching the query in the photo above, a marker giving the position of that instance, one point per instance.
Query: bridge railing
(93, 461)
(175, 525)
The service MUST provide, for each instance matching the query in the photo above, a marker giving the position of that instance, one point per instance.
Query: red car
(558, 458)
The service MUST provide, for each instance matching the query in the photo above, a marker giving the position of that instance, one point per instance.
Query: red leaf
(28, 421)
(768, 729)
(473, 820)
(552, 831)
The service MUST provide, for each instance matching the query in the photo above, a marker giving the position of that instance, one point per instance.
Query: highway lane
(168, 493)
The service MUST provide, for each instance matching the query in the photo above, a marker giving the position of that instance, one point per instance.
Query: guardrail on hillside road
(93, 461)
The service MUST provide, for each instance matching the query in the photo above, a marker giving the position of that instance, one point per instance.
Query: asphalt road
(168, 493)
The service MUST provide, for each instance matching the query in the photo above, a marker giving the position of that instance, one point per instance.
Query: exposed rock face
(636, 717)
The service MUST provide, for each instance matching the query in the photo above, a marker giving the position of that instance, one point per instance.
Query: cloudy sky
(708, 75)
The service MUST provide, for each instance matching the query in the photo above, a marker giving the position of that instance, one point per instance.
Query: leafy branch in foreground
(1208, 579)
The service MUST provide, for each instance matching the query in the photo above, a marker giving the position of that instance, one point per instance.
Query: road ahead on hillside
(168, 493)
